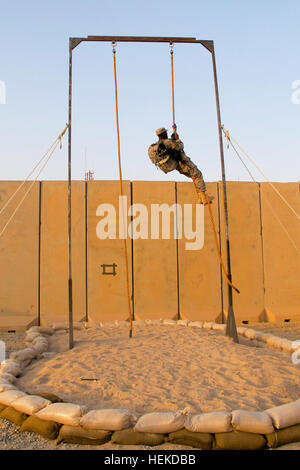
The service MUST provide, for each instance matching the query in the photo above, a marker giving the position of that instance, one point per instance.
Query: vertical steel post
(71, 341)
(231, 330)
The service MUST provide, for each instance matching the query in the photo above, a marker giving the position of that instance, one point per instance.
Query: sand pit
(163, 368)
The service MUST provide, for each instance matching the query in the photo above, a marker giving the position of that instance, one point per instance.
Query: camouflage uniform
(170, 156)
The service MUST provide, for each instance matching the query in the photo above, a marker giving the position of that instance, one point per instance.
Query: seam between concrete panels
(177, 256)
(132, 255)
(262, 242)
(220, 245)
(86, 248)
(39, 254)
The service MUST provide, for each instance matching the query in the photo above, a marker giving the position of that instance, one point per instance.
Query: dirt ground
(12, 439)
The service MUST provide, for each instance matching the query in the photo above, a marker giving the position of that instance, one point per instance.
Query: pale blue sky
(257, 47)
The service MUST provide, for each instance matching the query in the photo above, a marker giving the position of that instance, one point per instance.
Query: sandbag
(241, 330)
(7, 377)
(30, 404)
(200, 440)
(122, 323)
(40, 347)
(58, 326)
(108, 419)
(274, 342)
(265, 337)
(250, 333)
(47, 429)
(109, 324)
(153, 322)
(42, 330)
(78, 435)
(9, 361)
(237, 440)
(196, 324)
(5, 386)
(131, 437)
(2, 407)
(219, 326)
(283, 436)
(6, 398)
(24, 354)
(183, 322)
(91, 325)
(160, 422)
(63, 413)
(48, 354)
(50, 396)
(26, 363)
(31, 337)
(216, 421)
(207, 325)
(257, 422)
(285, 415)
(40, 340)
(14, 416)
(286, 345)
(258, 335)
(169, 322)
(11, 366)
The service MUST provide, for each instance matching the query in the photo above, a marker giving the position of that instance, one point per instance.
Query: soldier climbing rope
(168, 155)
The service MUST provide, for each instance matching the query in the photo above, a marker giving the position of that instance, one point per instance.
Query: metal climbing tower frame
(209, 45)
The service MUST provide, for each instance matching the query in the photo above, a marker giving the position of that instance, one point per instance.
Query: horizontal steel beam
(207, 44)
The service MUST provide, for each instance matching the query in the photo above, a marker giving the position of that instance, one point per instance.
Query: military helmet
(160, 131)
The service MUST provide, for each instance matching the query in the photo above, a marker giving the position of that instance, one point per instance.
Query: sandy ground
(160, 368)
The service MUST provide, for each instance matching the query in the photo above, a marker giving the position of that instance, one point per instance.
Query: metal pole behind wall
(231, 330)
(71, 341)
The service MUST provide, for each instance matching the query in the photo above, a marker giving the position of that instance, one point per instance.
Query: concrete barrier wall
(19, 252)
(199, 270)
(165, 279)
(155, 261)
(106, 276)
(281, 258)
(245, 248)
(54, 269)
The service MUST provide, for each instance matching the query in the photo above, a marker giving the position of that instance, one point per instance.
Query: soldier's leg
(189, 169)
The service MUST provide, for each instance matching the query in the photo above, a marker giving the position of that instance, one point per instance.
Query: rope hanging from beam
(206, 201)
(121, 190)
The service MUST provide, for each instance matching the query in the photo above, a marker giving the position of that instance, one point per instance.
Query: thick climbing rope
(199, 196)
(49, 154)
(216, 237)
(57, 140)
(173, 89)
(229, 139)
(121, 189)
(227, 135)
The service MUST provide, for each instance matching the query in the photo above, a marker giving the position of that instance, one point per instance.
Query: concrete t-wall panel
(54, 251)
(245, 249)
(107, 293)
(281, 258)
(155, 260)
(19, 256)
(199, 270)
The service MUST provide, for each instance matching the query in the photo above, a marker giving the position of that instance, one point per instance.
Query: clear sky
(257, 47)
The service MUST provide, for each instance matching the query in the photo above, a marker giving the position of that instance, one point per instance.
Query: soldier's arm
(173, 144)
